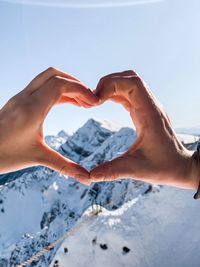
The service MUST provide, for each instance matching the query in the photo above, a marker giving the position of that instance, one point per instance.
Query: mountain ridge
(38, 205)
(48, 204)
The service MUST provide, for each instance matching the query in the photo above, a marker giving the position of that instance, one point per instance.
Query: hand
(157, 156)
(21, 123)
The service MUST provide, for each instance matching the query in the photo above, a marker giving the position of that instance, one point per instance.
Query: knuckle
(136, 83)
(109, 81)
(131, 72)
(102, 80)
(57, 81)
(51, 69)
(58, 85)
(105, 78)
(136, 79)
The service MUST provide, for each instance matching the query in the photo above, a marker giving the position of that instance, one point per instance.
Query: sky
(159, 39)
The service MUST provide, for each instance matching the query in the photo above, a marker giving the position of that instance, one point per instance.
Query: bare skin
(157, 156)
(21, 121)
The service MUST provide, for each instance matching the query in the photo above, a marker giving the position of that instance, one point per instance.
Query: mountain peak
(88, 138)
(106, 124)
(63, 134)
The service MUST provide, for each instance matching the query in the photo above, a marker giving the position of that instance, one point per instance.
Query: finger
(108, 85)
(55, 161)
(65, 99)
(74, 101)
(82, 103)
(116, 86)
(121, 167)
(58, 87)
(43, 77)
(145, 109)
(116, 74)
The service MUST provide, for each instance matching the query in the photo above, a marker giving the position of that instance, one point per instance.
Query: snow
(37, 206)
(56, 141)
(110, 125)
(87, 139)
(188, 138)
(160, 229)
(48, 204)
(112, 147)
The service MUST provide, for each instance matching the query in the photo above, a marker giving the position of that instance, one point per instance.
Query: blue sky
(160, 40)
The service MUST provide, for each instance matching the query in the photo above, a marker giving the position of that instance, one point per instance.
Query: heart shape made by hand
(151, 158)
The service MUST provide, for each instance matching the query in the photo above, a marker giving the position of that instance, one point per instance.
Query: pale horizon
(160, 40)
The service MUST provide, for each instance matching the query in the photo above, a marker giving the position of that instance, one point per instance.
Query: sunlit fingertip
(84, 179)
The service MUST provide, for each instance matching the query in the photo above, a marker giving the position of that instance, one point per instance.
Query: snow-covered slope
(56, 141)
(188, 138)
(87, 139)
(37, 205)
(154, 230)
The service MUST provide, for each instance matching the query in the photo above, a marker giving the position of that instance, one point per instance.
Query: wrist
(188, 173)
(196, 172)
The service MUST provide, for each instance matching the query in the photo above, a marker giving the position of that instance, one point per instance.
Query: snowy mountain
(55, 142)
(87, 139)
(38, 206)
(154, 230)
(189, 130)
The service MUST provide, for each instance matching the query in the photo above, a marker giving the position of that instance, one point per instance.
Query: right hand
(21, 123)
(157, 156)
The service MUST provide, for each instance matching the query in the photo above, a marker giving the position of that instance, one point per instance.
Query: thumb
(121, 167)
(56, 161)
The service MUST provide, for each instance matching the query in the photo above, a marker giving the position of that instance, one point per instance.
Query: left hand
(21, 123)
